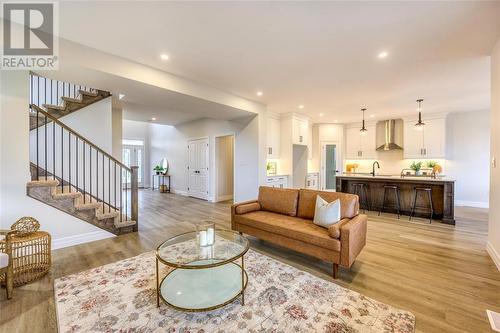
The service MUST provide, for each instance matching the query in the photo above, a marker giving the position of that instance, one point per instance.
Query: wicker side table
(31, 256)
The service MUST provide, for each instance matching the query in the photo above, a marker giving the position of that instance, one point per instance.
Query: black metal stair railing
(62, 154)
(48, 91)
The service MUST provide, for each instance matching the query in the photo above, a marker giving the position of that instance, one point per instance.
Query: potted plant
(416, 166)
(158, 169)
(436, 168)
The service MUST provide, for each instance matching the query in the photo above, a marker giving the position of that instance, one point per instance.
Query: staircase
(68, 171)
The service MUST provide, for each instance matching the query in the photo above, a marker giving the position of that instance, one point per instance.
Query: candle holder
(205, 234)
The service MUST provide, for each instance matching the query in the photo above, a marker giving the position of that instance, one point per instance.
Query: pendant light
(419, 125)
(363, 129)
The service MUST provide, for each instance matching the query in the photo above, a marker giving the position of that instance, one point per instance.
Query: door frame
(216, 198)
(338, 160)
(143, 166)
(188, 170)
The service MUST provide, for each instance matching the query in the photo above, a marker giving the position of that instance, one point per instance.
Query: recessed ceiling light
(301, 106)
(259, 93)
(383, 54)
(372, 116)
(153, 119)
(120, 96)
(321, 115)
(164, 57)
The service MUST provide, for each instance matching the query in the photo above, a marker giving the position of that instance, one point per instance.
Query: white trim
(493, 254)
(477, 204)
(80, 239)
(339, 164)
(179, 192)
(224, 197)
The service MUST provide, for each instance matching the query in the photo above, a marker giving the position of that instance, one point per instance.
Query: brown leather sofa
(284, 217)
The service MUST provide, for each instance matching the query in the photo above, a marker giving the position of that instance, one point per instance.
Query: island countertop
(442, 189)
(397, 178)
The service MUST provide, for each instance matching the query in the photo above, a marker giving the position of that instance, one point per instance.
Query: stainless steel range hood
(390, 134)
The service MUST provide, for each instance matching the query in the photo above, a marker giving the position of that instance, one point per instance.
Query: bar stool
(427, 190)
(396, 194)
(360, 190)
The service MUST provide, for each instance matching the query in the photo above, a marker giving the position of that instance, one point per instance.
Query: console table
(161, 181)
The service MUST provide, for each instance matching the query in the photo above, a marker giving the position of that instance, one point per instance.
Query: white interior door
(331, 164)
(133, 155)
(198, 168)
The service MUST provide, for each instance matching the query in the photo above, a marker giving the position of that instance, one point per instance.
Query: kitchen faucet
(373, 167)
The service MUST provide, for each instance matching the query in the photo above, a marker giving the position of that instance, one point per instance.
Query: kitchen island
(443, 193)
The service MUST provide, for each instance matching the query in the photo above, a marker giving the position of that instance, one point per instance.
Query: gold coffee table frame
(222, 262)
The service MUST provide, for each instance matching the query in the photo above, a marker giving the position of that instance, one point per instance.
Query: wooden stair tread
(72, 100)
(55, 107)
(43, 183)
(123, 224)
(88, 93)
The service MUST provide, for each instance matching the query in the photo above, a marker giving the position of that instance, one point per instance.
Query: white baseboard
(493, 254)
(224, 197)
(80, 239)
(180, 192)
(477, 204)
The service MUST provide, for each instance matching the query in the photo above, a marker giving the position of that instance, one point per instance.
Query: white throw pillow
(326, 214)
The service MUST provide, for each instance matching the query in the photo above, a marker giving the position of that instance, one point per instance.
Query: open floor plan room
(255, 166)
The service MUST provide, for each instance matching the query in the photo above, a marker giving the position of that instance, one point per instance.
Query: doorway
(330, 165)
(198, 168)
(133, 155)
(224, 168)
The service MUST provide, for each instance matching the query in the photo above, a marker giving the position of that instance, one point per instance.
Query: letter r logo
(28, 29)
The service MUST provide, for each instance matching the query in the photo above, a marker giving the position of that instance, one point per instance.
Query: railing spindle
(84, 185)
(76, 152)
(54, 150)
(69, 159)
(90, 171)
(121, 190)
(109, 185)
(103, 181)
(37, 115)
(46, 169)
(62, 159)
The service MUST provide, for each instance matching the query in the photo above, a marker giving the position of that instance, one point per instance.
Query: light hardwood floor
(440, 273)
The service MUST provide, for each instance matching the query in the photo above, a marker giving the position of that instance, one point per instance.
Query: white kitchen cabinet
(312, 181)
(273, 138)
(277, 181)
(429, 142)
(300, 131)
(361, 146)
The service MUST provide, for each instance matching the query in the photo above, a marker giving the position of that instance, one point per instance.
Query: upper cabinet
(429, 142)
(300, 131)
(361, 146)
(273, 137)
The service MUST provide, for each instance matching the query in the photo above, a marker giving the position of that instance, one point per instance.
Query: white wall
(493, 246)
(171, 142)
(468, 154)
(137, 130)
(224, 167)
(117, 135)
(15, 172)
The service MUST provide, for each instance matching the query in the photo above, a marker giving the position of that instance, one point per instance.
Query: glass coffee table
(202, 278)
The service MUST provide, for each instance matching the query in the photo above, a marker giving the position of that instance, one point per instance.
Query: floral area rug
(121, 297)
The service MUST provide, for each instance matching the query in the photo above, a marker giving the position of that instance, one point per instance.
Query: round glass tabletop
(184, 251)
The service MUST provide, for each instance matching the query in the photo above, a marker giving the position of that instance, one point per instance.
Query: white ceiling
(320, 54)
(142, 102)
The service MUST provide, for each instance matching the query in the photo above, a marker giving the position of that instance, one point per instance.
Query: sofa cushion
(291, 227)
(307, 201)
(279, 200)
(326, 213)
(247, 208)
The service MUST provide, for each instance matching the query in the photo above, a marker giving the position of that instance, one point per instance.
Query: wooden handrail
(81, 137)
